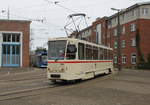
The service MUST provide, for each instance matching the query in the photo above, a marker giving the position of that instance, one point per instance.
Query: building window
(99, 34)
(104, 24)
(133, 42)
(123, 29)
(115, 32)
(108, 34)
(124, 59)
(123, 17)
(144, 11)
(11, 37)
(103, 36)
(123, 44)
(133, 27)
(115, 45)
(115, 59)
(133, 12)
(109, 24)
(115, 20)
(108, 44)
(133, 58)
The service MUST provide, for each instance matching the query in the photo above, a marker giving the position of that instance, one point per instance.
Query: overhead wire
(38, 20)
(57, 3)
(65, 27)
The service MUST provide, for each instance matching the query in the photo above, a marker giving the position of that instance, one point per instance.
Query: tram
(72, 59)
(42, 60)
(39, 60)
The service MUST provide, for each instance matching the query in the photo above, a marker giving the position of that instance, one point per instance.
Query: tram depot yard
(127, 87)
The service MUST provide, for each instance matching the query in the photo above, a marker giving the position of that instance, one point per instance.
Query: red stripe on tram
(77, 61)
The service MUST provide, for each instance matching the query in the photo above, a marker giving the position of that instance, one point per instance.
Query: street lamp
(118, 38)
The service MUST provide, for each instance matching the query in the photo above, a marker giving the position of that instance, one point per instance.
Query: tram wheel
(109, 70)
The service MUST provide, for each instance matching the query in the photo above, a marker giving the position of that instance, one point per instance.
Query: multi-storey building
(134, 33)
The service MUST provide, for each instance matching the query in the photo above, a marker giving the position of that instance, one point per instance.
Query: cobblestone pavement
(128, 87)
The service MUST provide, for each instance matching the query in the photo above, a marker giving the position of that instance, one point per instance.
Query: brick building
(14, 43)
(134, 29)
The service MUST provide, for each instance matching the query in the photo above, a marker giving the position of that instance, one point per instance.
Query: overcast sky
(55, 16)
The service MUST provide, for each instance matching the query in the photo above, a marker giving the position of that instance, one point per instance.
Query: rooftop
(129, 8)
(6, 20)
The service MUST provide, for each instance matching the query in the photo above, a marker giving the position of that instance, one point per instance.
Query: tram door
(10, 55)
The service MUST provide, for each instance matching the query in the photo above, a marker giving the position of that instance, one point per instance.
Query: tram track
(24, 93)
(43, 89)
(22, 74)
(24, 79)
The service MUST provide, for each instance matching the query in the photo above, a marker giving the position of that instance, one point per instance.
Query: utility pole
(8, 13)
(118, 39)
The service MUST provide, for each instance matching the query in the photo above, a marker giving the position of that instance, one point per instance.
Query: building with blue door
(14, 43)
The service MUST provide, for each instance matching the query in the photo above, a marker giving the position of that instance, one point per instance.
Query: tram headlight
(49, 69)
(62, 70)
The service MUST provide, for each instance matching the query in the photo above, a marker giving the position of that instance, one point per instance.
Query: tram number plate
(55, 75)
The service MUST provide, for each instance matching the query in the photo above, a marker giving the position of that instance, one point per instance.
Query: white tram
(74, 59)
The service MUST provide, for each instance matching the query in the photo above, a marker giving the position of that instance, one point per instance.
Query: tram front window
(56, 50)
(44, 58)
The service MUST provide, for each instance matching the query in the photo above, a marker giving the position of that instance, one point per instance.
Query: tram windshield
(44, 58)
(56, 50)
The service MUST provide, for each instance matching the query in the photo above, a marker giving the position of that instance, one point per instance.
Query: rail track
(25, 78)
(11, 75)
(25, 92)
(45, 89)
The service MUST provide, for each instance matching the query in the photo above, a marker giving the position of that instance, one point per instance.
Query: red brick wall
(144, 27)
(101, 21)
(21, 26)
(128, 50)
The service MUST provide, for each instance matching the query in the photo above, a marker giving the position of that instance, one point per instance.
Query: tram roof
(81, 41)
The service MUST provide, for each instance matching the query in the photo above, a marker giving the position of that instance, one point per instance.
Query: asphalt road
(128, 87)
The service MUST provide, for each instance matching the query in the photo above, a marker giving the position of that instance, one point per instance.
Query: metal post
(118, 42)
(118, 39)
(8, 14)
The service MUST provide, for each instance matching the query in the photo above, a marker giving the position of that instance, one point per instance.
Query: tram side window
(110, 54)
(101, 57)
(81, 51)
(88, 52)
(105, 53)
(71, 52)
(95, 53)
